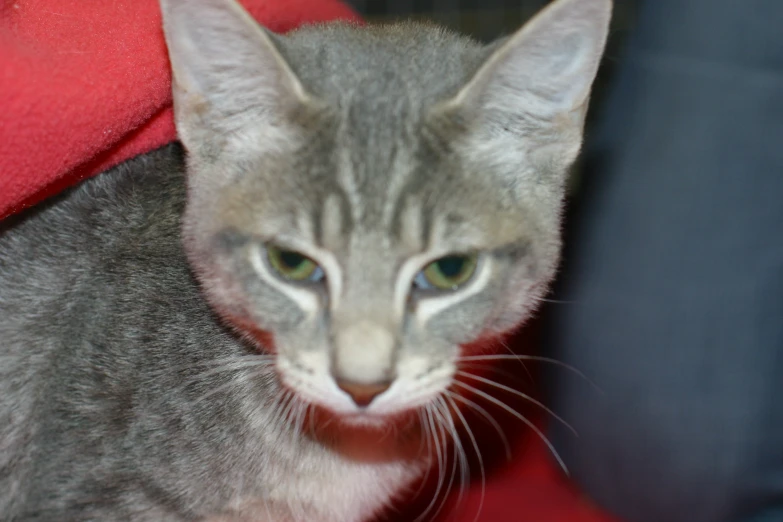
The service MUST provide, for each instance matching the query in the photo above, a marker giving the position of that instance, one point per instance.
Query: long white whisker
(440, 453)
(478, 454)
(556, 301)
(299, 411)
(534, 358)
(493, 368)
(233, 366)
(521, 361)
(224, 367)
(518, 393)
(459, 451)
(426, 441)
(312, 419)
(443, 425)
(213, 391)
(487, 416)
(521, 417)
(287, 417)
(229, 362)
(276, 410)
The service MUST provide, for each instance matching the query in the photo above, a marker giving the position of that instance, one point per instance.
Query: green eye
(447, 273)
(293, 265)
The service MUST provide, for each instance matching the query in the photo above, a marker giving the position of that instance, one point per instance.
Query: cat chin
(366, 420)
(367, 437)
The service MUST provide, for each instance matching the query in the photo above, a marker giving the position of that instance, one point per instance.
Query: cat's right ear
(535, 85)
(229, 79)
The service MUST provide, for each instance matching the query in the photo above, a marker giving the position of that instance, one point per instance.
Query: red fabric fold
(85, 84)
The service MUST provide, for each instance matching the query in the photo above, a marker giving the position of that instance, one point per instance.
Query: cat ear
(542, 74)
(228, 75)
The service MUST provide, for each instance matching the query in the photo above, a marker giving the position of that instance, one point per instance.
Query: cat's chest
(347, 491)
(322, 487)
(325, 488)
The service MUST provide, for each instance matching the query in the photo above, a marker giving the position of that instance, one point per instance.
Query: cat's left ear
(537, 82)
(229, 78)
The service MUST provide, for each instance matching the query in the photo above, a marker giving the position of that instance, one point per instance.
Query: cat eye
(447, 273)
(293, 266)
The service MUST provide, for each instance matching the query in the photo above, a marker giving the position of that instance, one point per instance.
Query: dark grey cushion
(674, 277)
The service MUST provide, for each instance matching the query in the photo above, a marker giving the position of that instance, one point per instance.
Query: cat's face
(375, 199)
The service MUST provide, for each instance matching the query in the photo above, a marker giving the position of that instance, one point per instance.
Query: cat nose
(363, 393)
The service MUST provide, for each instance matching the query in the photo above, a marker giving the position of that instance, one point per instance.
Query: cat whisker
(276, 407)
(519, 416)
(223, 366)
(234, 366)
(268, 513)
(445, 430)
(300, 410)
(390, 432)
(483, 412)
(494, 369)
(200, 377)
(459, 450)
(219, 389)
(439, 441)
(554, 301)
(521, 361)
(283, 415)
(287, 418)
(441, 447)
(459, 414)
(243, 359)
(424, 438)
(273, 408)
(520, 394)
(312, 418)
(328, 421)
(450, 484)
(426, 444)
(534, 358)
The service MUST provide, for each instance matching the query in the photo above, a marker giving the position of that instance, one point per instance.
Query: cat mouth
(365, 418)
(366, 436)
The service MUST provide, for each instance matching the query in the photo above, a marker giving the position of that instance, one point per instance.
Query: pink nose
(362, 393)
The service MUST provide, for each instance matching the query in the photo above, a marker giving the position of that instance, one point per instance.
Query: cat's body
(219, 338)
(96, 405)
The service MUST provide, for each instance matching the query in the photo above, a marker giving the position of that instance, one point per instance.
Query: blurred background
(483, 19)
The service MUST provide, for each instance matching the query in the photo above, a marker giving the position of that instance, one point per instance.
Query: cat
(264, 322)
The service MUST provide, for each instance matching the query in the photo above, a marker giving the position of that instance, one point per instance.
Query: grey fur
(372, 150)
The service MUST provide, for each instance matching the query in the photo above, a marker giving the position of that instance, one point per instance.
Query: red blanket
(84, 85)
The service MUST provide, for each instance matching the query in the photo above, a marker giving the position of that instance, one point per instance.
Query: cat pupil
(451, 266)
(291, 259)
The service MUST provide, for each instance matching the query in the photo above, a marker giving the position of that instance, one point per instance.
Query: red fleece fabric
(85, 84)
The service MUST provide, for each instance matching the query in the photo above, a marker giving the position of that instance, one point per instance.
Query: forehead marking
(411, 225)
(332, 222)
(348, 182)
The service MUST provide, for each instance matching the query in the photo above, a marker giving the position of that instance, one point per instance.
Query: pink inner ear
(547, 66)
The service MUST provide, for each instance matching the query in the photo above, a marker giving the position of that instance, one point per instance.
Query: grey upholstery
(673, 281)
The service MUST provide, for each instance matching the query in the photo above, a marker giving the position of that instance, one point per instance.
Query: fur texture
(149, 374)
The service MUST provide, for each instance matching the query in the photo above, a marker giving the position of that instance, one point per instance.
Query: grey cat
(266, 323)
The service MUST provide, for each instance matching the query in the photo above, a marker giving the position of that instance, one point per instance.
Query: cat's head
(375, 198)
